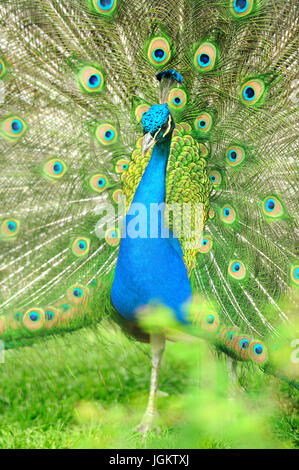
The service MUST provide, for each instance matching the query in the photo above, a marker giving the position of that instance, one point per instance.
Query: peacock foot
(147, 424)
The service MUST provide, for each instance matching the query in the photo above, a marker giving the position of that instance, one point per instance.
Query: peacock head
(158, 126)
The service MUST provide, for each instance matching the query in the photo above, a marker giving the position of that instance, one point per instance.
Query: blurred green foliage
(89, 389)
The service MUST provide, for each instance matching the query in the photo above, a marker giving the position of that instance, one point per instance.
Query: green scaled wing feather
(188, 186)
(75, 80)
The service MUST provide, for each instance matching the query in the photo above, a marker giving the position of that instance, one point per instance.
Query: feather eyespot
(226, 336)
(51, 317)
(9, 228)
(112, 237)
(81, 246)
(90, 79)
(15, 319)
(118, 196)
(203, 123)
(55, 168)
(205, 57)
(209, 322)
(228, 214)
(159, 52)
(252, 92)
(2, 68)
(237, 270)
(34, 318)
(272, 207)
(206, 244)
(241, 8)
(235, 155)
(258, 352)
(13, 127)
(295, 274)
(215, 178)
(98, 183)
(241, 345)
(66, 311)
(77, 294)
(122, 165)
(140, 110)
(177, 99)
(104, 7)
(106, 134)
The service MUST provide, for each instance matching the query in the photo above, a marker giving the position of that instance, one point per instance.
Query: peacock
(113, 113)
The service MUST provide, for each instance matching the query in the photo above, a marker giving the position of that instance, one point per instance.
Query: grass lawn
(89, 389)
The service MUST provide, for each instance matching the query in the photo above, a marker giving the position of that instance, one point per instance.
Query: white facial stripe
(156, 134)
(169, 127)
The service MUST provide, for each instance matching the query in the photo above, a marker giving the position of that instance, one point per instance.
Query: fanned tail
(76, 78)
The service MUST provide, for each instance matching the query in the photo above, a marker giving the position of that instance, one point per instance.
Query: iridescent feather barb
(76, 80)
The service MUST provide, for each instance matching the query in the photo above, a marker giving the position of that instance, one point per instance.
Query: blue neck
(152, 186)
(150, 268)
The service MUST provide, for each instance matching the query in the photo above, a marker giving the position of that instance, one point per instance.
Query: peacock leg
(158, 346)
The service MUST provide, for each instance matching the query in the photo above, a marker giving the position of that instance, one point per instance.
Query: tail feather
(58, 171)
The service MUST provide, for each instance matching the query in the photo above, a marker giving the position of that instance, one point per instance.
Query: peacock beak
(148, 142)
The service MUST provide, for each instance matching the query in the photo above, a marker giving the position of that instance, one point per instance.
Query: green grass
(89, 389)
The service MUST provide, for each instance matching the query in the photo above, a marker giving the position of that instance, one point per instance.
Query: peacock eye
(252, 92)
(122, 165)
(241, 8)
(34, 318)
(13, 127)
(117, 196)
(55, 168)
(98, 183)
(210, 319)
(9, 228)
(258, 349)
(215, 177)
(112, 237)
(80, 246)
(2, 68)
(235, 155)
(159, 54)
(237, 269)
(140, 111)
(177, 99)
(295, 274)
(90, 79)
(203, 122)
(272, 207)
(49, 315)
(258, 352)
(159, 51)
(18, 316)
(104, 7)
(244, 343)
(206, 244)
(205, 57)
(106, 134)
(228, 214)
(77, 294)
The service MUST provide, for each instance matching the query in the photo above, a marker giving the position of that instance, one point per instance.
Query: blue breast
(150, 269)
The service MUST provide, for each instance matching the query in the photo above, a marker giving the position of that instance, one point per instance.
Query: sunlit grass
(89, 390)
